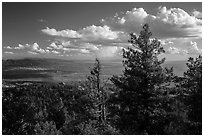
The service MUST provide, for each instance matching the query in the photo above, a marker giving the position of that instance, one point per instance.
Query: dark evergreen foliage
(191, 94)
(140, 87)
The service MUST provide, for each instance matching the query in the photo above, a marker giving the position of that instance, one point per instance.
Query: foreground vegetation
(140, 101)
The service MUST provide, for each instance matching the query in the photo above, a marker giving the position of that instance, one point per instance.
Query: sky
(85, 30)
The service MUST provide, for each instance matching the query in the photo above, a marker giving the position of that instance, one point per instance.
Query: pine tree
(192, 89)
(139, 86)
(97, 91)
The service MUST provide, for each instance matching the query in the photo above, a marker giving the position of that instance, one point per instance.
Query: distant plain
(55, 70)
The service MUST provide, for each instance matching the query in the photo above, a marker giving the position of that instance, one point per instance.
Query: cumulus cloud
(83, 48)
(192, 48)
(90, 46)
(54, 46)
(66, 49)
(35, 47)
(90, 33)
(168, 23)
(8, 47)
(197, 14)
(8, 52)
(55, 52)
(63, 33)
(108, 51)
(31, 48)
(75, 47)
(165, 42)
(49, 48)
(84, 51)
(174, 50)
(125, 22)
(31, 52)
(66, 43)
(20, 46)
(93, 32)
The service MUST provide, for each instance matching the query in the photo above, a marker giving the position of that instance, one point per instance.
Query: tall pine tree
(192, 89)
(139, 87)
(97, 91)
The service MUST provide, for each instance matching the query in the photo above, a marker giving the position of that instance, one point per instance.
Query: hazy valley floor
(52, 70)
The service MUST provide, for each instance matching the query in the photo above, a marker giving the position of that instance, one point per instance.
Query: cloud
(8, 47)
(165, 42)
(66, 43)
(31, 52)
(66, 49)
(90, 46)
(49, 48)
(83, 48)
(53, 45)
(79, 47)
(88, 34)
(58, 48)
(168, 23)
(197, 14)
(125, 22)
(63, 33)
(174, 50)
(84, 51)
(7, 52)
(33, 48)
(55, 52)
(92, 33)
(174, 27)
(20, 46)
(193, 48)
(108, 51)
